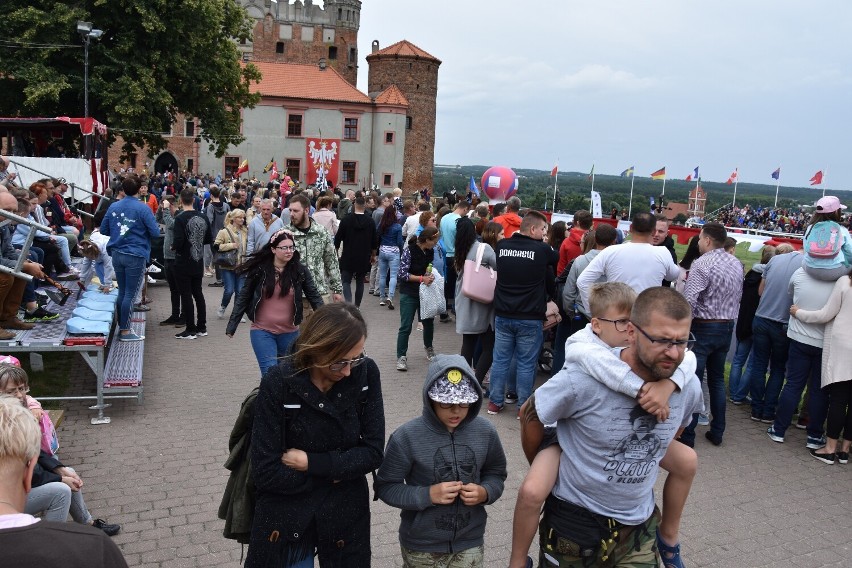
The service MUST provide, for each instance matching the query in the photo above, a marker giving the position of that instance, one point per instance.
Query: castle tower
(415, 73)
(301, 32)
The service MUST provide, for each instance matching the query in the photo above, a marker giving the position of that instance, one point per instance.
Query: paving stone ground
(157, 468)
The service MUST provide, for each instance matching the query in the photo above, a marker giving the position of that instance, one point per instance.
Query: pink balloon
(499, 183)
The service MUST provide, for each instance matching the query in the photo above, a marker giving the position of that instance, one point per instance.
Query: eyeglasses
(620, 325)
(286, 248)
(340, 365)
(23, 389)
(447, 406)
(680, 344)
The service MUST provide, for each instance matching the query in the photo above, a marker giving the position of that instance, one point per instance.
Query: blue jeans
(803, 362)
(521, 339)
(129, 271)
(387, 260)
(712, 341)
(270, 347)
(232, 284)
(769, 350)
(738, 385)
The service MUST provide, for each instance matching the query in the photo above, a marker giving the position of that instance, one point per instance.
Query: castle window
(279, 47)
(131, 157)
(340, 13)
(189, 128)
(294, 168)
(294, 125)
(350, 129)
(408, 122)
(387, 180)
(332, 52)
(389, 137)
(353, 55)
(350, 171)
(190, 164)
(232, 164)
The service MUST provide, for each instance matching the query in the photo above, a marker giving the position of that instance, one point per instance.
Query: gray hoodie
(422, 452)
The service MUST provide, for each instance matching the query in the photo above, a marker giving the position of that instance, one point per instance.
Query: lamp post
(88, 33)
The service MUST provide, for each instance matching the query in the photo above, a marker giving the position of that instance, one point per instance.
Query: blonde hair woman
(233, 237)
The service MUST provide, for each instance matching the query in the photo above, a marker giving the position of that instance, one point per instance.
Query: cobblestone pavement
(157, 468)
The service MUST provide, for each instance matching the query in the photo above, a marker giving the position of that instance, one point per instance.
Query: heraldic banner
(323, 162)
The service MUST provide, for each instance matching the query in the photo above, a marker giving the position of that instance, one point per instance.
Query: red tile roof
(403, 48)
(391, 96)
(295, 81)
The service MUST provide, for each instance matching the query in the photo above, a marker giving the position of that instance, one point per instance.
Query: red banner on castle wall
(323, 157)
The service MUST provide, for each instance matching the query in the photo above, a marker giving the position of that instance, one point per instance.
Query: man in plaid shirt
(713, 289)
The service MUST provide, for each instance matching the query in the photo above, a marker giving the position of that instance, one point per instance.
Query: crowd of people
(636, 336)
(775, 219)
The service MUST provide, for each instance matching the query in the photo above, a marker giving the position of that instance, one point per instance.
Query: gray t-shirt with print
(611, 448)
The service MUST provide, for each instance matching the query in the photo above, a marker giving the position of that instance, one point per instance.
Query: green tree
(155, 60)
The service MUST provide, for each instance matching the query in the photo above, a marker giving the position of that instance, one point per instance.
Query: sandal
(669, 554)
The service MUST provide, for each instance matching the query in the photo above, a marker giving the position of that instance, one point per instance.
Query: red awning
(87, 126)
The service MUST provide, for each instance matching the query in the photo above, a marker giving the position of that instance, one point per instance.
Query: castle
(309, 59)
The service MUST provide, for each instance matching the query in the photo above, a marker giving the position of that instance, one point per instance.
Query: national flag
(270, 165)
(244, 167)
(776, 174)
(473, 188)
(733, 177)
(553, 172)
(591, 173)
(693, 175)
(628, 172)
(817, 179)
(659, 174)
(274, 171)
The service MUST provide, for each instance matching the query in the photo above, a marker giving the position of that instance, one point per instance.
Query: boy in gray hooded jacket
(442, 468)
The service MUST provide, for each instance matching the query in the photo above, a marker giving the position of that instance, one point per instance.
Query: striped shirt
(715, 285)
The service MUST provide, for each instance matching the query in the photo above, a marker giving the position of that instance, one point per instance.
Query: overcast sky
(752, 84)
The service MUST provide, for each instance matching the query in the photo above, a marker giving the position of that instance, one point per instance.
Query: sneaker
(141, 308)
(383, 302)
(40, 314)
(110, 530)
(215, 285)
(843, 457)
(68, 275)
(220, 313)
(768, 419)
(446, 318)
(420, 326)
(815, 443)
(518, 417)
(703, 420)
(371, 291)
(151, 280)
(390, 304)
(402, 363)
(171, 320)
(494, 409)
(755, 417)
(201, 332)
(185, 335)
(244, 320)
(130, 337)
(773, 436)
(736, 402)
(802, 423)
(824, 458)
(430, 353)
(209, 273)
(510, 398)
(154, 269)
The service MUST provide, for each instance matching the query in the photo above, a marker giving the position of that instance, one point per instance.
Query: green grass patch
(741, 252)
(54, 380)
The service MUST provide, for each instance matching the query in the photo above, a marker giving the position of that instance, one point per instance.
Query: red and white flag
(733, 178)
(817, 179)
(554, 171)
(273, 174)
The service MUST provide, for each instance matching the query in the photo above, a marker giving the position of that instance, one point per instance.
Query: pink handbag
(478, 282)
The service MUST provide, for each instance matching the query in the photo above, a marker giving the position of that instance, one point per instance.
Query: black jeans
(839, 410)
(450, 284)
(469, 341)
(346, 277)
(174, 292)
(190, 288)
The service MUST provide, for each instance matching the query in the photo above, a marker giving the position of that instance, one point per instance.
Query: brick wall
(418, 80)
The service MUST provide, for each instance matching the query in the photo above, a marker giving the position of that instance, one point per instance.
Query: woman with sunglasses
(272, 298)
(319, 428)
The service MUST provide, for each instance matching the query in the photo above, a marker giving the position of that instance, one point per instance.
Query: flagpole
(555, 187)
(777, 185)
(824, 172)
(630, 205)
(736, 181)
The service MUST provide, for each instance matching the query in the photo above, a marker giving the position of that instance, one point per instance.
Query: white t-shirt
(639, 265)
(808, 293)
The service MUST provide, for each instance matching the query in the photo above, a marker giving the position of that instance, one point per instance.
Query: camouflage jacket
(317, 253)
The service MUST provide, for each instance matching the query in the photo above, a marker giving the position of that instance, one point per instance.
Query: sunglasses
(340, 365)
